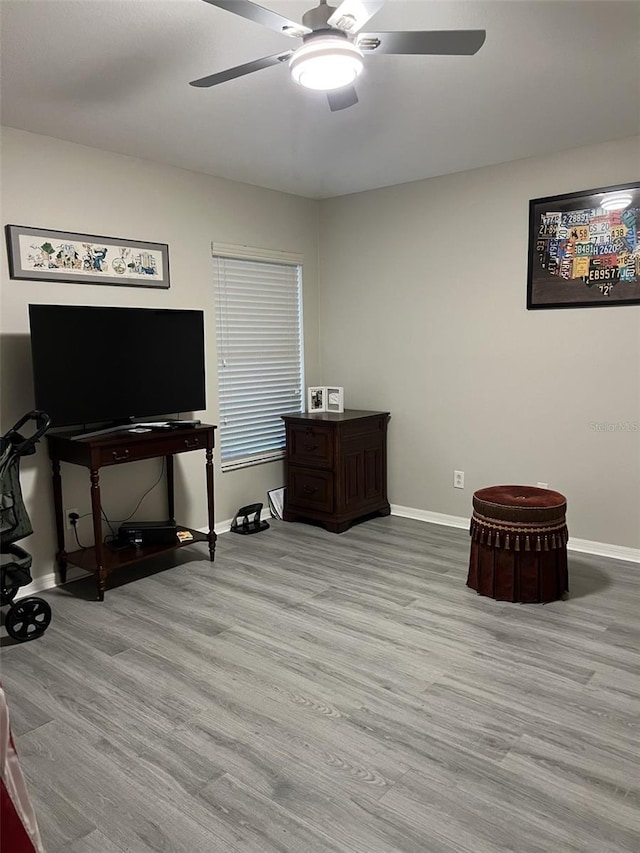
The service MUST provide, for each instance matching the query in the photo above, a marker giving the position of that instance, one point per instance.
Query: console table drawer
(124, 447)
(309, 489)
(311, 446)
(160, 445)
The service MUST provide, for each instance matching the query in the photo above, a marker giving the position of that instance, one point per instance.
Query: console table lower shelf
(87, 558)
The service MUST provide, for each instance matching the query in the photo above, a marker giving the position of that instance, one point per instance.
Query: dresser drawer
(310, 445)
(310, 489)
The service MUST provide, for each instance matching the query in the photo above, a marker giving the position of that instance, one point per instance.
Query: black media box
(148, 533)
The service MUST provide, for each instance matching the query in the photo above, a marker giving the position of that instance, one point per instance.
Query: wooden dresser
(336, 467)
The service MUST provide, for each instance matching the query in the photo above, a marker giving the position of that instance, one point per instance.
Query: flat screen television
(96, 365)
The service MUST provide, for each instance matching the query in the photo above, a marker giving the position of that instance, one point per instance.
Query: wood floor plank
(317, 693)
(126, 802)
(613, 773)
(263, 826)
(96, 842)
(467, 814)
(600, 816)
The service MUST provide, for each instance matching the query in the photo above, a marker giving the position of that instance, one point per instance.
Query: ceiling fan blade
(266, 17)
(340, 99)
(241, 70)
(444, 42)
(352, 15)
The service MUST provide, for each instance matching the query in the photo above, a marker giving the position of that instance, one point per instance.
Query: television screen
(95, 365)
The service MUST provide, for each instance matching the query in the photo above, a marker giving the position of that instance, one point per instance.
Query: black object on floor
(248, 525)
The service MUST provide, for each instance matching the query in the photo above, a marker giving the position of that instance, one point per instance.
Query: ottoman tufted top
(528, 496)
(520, 503)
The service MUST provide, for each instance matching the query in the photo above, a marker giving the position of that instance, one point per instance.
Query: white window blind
(259, 343)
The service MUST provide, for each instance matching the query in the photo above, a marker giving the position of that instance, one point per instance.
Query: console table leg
(62, 565)
(96, 511)
(61, 555)
(170, 486)
(101, 579)
(211, 535)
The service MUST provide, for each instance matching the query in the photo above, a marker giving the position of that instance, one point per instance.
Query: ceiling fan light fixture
(616, 201)
(326, 63)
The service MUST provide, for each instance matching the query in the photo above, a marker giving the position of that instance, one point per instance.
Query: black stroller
(28, 618)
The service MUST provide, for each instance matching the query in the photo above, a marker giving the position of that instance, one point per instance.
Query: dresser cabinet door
(362, 475)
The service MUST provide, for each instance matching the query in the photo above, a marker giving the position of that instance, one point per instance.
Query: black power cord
(137, 507)
(111, 538)
(73, 521)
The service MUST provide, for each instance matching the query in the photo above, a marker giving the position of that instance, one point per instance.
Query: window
(259, 340)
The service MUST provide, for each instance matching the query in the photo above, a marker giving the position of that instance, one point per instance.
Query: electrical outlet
(458, 479)
(542, 485)
(67, 515)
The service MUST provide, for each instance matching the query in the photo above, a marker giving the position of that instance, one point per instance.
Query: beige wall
(422, 312)
(53, 184)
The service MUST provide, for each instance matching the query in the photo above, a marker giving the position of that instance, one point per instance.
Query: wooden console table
(118, 448)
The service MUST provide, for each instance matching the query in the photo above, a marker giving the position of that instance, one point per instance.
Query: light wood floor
(314, 693)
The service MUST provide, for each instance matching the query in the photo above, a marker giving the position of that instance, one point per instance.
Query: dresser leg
(336, 526)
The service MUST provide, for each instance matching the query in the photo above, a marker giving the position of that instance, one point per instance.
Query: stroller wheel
(28, 619)
(7, 594)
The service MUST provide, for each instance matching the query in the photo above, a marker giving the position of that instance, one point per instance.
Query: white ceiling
(113, 74)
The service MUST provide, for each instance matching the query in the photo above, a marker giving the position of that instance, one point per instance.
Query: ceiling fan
(331, 55)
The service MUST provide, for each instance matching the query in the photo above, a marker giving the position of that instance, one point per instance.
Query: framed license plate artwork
(584, 248)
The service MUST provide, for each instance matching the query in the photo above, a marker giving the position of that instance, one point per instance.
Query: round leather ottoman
(519, 544)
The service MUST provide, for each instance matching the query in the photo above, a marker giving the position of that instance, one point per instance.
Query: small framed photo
(316, 399)
(334, 398)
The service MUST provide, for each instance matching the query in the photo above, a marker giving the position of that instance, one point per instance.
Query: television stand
(117, 448)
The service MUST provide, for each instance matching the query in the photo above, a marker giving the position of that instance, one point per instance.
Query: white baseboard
(583, 546)
(50, 580)
(603, 549)
(431, 517)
